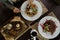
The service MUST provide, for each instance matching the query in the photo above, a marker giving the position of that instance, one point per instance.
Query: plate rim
(31, 17)
(45, 36)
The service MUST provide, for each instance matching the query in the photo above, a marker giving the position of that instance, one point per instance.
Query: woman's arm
(7, 4)
(10, 6)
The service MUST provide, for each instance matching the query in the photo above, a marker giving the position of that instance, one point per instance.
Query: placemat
(35, 26)
(44, 10)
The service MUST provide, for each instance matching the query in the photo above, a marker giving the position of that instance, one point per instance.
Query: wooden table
(51, 4)
(44, 10)
(27, 22)
(24, 29)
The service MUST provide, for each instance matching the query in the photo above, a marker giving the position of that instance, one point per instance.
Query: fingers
(16, 10)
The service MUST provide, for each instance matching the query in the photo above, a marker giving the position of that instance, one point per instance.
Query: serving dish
(29, 18)
(14, 28)
(48, 34)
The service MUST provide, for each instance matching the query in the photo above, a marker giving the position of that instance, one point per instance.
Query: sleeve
(7, 4)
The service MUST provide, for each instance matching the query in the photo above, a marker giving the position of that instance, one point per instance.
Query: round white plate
(48, 35)
(39, 7)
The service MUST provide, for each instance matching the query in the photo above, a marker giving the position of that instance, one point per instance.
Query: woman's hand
(16, 10)
(30, 1)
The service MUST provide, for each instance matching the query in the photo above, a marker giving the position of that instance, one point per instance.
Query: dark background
(52, 4)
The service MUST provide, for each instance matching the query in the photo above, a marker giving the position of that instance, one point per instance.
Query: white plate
(48, 35)
(23, 7)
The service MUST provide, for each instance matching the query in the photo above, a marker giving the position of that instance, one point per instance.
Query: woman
(15, 4)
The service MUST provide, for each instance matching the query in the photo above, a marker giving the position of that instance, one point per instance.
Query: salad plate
(49, 27)
(36, 10)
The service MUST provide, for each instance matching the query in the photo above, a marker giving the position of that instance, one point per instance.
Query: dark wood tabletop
(51, 4)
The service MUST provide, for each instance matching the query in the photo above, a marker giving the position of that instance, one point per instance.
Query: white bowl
(48, 35)
(39, 13)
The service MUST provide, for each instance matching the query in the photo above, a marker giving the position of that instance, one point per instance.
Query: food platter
(48, 35)
(29, 18)
(14, 28)
(44, 10)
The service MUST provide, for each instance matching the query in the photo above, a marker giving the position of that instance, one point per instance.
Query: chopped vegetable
(31, 10)
(49, 26)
